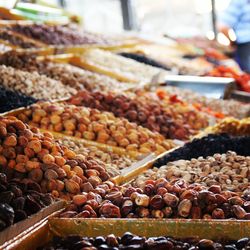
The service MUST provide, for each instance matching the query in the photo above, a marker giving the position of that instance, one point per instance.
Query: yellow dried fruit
(10, 141)
(48, 159)
(35, 145)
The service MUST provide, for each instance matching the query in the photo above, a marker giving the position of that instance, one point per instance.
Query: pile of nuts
(228, 107)
(60, 35)
(130, 241)
(33, 84)
(11, 100)
(144, 110)
(27, 153)
(114, 163)
(91, 124)
(160, 199)
(208, 146)
(121, 68)
(230, 171)
(69, 75)
(16, 39)
(20, 199)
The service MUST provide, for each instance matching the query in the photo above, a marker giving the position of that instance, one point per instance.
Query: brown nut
(10, 141)
(207, 197)
(168, 211)
(111, 241)
(236, 200)
(72, 187)
(143, 212)
(127, 207)
(36, 175)
(156, 202)
(238, 211)
(79, 199)
(149, 189)
(109, 210)
(188, 194)
(50, 174)
(35, 145)
(218, 213)
(157, 214)
(86, 187)
(184, 208)
(141, 199)
(171, 200)
(216, 189)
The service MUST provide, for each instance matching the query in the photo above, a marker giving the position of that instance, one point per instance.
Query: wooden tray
(215, 230)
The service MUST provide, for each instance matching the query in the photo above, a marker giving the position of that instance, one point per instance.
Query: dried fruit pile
(114, 163)
(232, 126)
(17, 40)
(129, 241)
(230, 171)
(208, 146)
(70, 75)
(119, 67)
(12, 100)
(33, 84)
(60, 35)
(31, 154)
(242, 79)
(216, 107)
(171, 121)
(20, 199)
(91, 124)
(160, 199)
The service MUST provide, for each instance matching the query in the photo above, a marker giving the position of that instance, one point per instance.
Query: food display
(33, 84)
(61, 35)
(93, 125)
(114, 163)
(147, 111)
(116, 66)
(20, 199)
(230, 171)
(69, 75)
(130, 241)
(160, 199)
(27, 153)
(86, 120)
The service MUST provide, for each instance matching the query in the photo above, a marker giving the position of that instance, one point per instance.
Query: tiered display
(93, 129)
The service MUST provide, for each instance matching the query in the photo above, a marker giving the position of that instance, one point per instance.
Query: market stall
(114, 142)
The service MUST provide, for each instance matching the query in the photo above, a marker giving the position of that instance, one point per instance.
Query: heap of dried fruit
(70, 75)
(17, 40)
(26, 152)
(232, 126)
(114, 163)
(19, 199)
(230, 171)
(208, 146)
(160, 199)
(216, 107)
(130, 241)
(60, 35)
(145, 110)
(11, 100)
(91, 124)
(33, 84)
